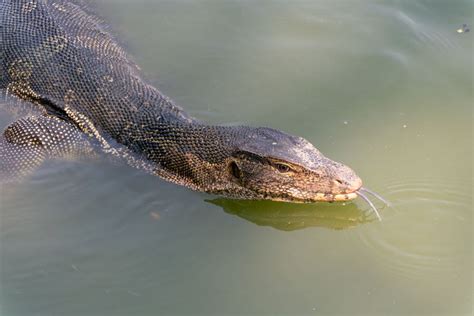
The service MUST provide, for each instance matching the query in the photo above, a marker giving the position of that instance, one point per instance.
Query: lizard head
(277, 166)
(251, 163)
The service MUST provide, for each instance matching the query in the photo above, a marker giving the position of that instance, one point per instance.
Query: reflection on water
(385, 87)
(288, 217)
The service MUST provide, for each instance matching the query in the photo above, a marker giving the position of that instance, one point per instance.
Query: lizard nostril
(339, 181)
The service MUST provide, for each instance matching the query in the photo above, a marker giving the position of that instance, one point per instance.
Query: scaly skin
(61, 58)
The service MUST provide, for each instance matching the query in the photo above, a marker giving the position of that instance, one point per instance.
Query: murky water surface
(383, 86)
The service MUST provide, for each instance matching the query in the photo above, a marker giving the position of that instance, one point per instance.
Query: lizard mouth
(328, 197)
(361, 192)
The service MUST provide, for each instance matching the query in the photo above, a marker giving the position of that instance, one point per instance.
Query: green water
(383, 86)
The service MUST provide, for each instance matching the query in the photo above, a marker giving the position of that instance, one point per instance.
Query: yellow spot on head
(29, 6)
(59, 7)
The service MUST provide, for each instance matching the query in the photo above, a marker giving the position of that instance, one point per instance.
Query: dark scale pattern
(26, 143)
(54, 51)
(59, 56)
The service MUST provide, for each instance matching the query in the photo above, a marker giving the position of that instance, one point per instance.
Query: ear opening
(235, 170)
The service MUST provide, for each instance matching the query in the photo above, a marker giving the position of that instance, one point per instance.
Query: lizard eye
(282, 167)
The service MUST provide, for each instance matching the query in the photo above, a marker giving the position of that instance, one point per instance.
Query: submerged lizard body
(60, 57)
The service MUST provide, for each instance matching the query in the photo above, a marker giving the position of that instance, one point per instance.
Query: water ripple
(411, 244)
